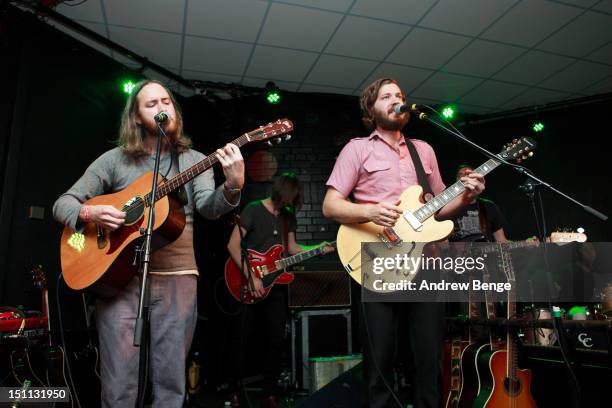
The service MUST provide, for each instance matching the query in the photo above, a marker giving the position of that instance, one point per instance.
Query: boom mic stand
(532, 182)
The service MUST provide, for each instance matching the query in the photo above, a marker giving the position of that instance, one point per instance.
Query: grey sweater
(114, 171)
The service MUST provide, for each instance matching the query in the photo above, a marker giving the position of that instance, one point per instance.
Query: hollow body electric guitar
(269, 267)
(416, 226)
(95, 256)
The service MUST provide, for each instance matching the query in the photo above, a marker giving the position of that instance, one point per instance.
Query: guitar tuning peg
(287, 137)
(530, 154)
(269, 143)
(278, 140)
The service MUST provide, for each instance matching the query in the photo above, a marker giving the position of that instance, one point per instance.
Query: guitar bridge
(101, 237)
(390, 238)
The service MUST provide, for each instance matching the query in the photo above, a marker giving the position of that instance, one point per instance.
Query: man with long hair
(264, 223)
(173, 279)
(375, 170)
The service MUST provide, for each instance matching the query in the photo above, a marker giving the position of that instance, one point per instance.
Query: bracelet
(231, 190)
(86, 213)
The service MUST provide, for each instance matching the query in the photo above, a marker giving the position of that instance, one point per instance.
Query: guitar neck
(197, 169)
(301, 257)
(452, 192)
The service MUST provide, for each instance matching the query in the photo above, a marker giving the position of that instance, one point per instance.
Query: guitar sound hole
(512, 386)
(134, 209)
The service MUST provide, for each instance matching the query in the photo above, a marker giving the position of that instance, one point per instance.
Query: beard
(170, 128)
(392, 123)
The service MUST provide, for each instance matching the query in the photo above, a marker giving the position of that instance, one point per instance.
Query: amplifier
(320, 289)
(325, 369)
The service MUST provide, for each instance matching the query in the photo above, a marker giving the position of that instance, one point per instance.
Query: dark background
(60, 104)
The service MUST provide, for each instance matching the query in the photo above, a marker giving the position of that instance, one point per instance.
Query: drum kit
(547, 337)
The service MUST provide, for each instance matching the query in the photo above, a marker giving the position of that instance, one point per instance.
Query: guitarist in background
(375, 170)
(479, 221)
(173, 279)
(264, 223)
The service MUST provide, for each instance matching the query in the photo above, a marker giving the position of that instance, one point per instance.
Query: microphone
(161, 117)
(413, 107)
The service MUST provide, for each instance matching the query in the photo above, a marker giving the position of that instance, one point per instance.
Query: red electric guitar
(269, 267)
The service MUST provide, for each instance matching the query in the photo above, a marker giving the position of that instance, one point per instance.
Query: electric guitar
(416, 227)
(95, 255)
(269, 267)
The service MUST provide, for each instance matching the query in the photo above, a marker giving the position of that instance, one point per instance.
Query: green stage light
(273, 95)
(538, 127)
(448, 112)
(128, 87)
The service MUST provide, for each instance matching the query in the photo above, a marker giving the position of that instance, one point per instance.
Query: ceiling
(487, 56)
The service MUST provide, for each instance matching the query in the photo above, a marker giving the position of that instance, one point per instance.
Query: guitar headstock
(39, 277)
(563, 236)
(273, 131)
(519, 149)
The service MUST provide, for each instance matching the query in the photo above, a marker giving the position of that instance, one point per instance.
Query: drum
(538, 335)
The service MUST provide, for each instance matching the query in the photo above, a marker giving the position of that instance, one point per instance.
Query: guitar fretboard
(198, 168)
(302, 256)
(452, 192)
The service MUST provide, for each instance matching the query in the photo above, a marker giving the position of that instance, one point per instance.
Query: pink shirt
(374, 171)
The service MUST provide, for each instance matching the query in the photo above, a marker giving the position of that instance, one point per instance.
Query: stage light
(128, 87)
(448, 112)
(273, 95)
(538, 127)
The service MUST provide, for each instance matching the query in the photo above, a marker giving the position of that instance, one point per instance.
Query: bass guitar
(95, 255)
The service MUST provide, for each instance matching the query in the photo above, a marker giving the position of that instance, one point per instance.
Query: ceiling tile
(90, 11)
(401, 11)
(325, 89)
(530, 22)
(154, 15)
(224, 57)
(339, 71)
(229, 19)
(603, 54)
(533, 67)
(279, 63)
(427, 48)
(492, 93)
(335, 5)
(365, 38)
(160, 48)
(483, 58)
(583, 35)
(605, 5)
(212, 77)
(468, 17)
(446, 87)
(600, 87)
(578, 76)
(407, 77)
(298, 27)
(535, 97)
(581, 3)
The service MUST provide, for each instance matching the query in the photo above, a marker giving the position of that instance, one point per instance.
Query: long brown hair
(287, 192)
(131, 134)
(368, 98)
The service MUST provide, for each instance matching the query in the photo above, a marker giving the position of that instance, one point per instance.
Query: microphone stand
(141, 330)
(532, 183)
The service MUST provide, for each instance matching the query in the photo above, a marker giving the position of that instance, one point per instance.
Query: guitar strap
(418, 167)
(285, 234)
(180, 192)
